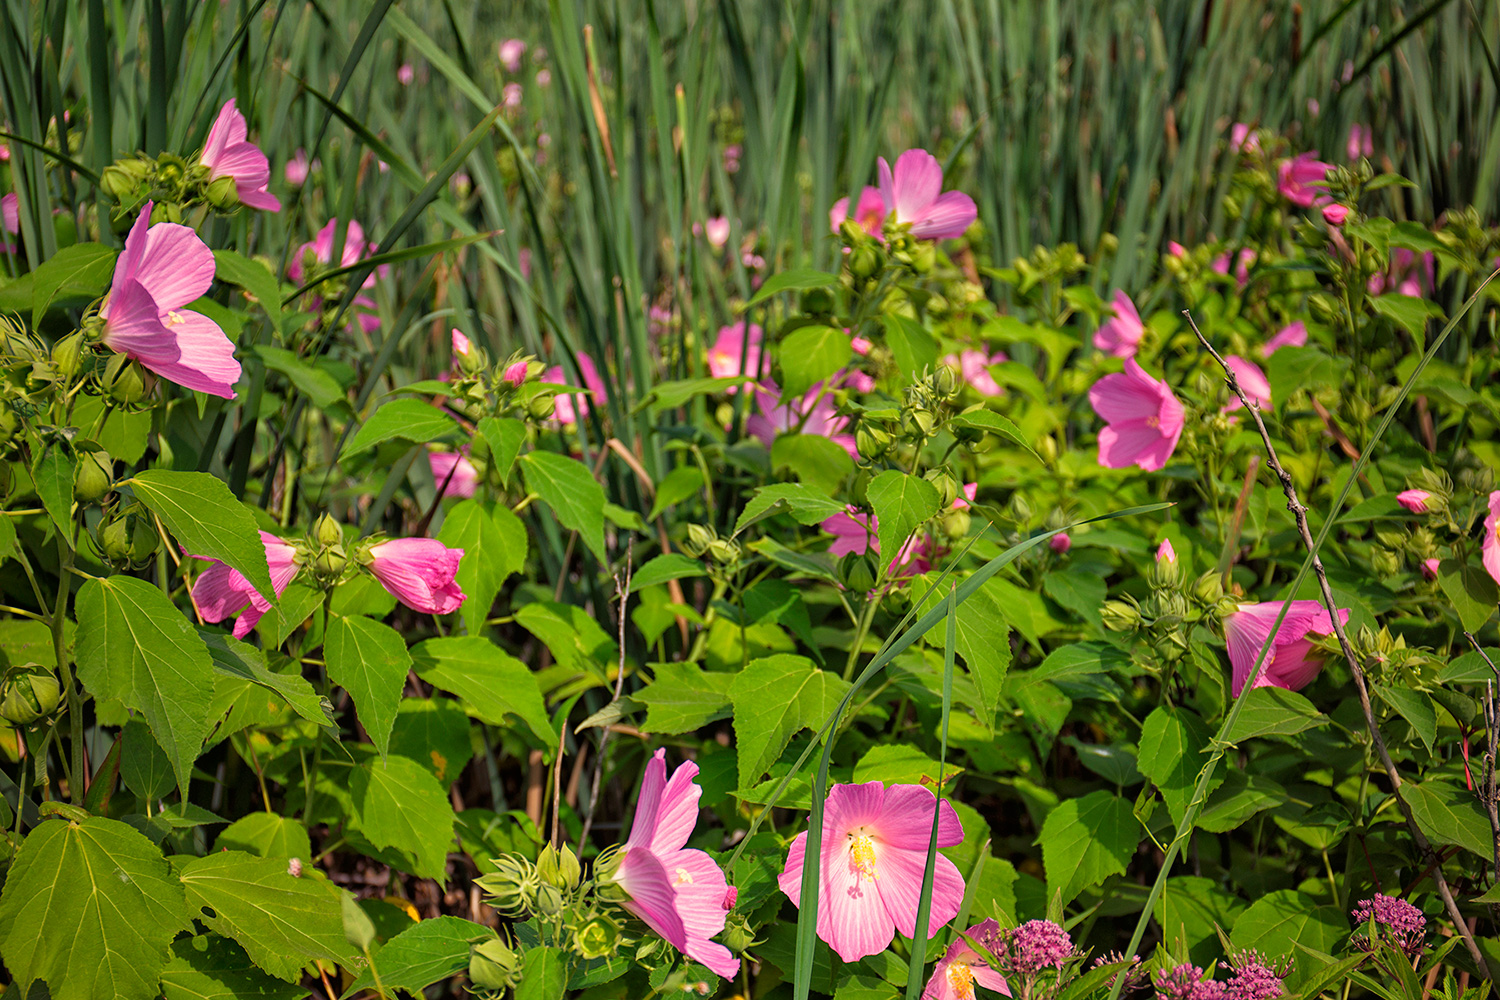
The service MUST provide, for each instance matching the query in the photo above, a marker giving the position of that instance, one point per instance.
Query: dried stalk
(622, 593)
(1300, 513)
(1488, 792)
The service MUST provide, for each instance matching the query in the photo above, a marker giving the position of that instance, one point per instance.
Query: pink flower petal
(652, 897)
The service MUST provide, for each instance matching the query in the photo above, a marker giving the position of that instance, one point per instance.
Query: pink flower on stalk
(736, 352)
(321, 250)
(1290, 661)
(1414, 500)
(716, 231)
(454, 473)
(954, 976)
(679, 892)
(229, 153)
(510, 95)
(1406, 274)
(1242, 139)
(782, 416)
(1242, 262)
(220, 591)
(1165, 552)
(1361, 141)
(1121, 334)
(516, 374)
(974, 368)
(965, 496)
(1143, 419)
(405, 74)
(511, 50)
(419, 572)
(1490, 547)
(543, 79)
(1187, 982)
(571, 408)
(732, 154)
(1060, 542)
(1294, 335)
(912, 195)
(1335, 214)
(1252, 382)
(1176, 249)
(163, 268)
(869, 213)
(297, 168)
(1301, 178)
(873, 856)
(1430, 568)
(462, 345)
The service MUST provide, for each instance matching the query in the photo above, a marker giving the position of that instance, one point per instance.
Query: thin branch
(1300, 513)
(622, 594)
(1487, 792)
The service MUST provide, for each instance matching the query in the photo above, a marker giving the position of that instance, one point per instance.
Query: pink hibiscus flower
(778, 416)
(974, 368)
(1294, 335)
(853, 532)
(1301, 178)
(510, 51)
(220, 591)
(869, 213)
(1143, 419)
(229, 153)
(571, 407)
(1290, 660)
(1414, 500)
(912, 194)
(736, 352)
(1361, 141)
(679, 892)
(954, 976)
(1490, 548)
(873, 856)
(420, 573)
(1242, 260)
(1242, 138)
(1252, 380)
(454, 473)
(163, 268)
(1121, 334)
(320, 249)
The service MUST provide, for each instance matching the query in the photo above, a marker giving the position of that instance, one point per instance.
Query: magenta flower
(1254, 979)
(405, 74)
(736, 352)
(320, 249)
(419, 572)
(869, 213)
(1121, 334)
(570, 407)
(297, 168)
(1294, 335)
(1430, 568)
(854, 532)
(229, 153)
(1290, 660)
(912, 197)
(732, 153)
(462, 345)
(1187, 982)
(163, 268)
(1242, 138)
(1361, 141)
(1407, 274)
(1242, 262)
(814, 413)
(1143, 419)
(510, 95)
(454, 473)
(961, 967)
(1060, 542)
(974, 368)
(1490, 548)
(873, 857)
(1301, 178)
(679, 892)
(1335, 214)
(1406, 924)
(965, 497)
(1165, 553)
(511, 50)
(1176, 249)
(716, 231)
(515, 374)
(220, 591)
(1252, 382)
(1414, 500)
(1034, 946)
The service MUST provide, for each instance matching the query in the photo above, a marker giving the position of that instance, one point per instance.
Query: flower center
(175, 318)
(862, 856)
(1153, 421)
(682, 877)
(961, 979)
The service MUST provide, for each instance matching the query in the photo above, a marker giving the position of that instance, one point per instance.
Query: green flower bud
(93, 476)
(599, 938)
(858, 572)
(143, 540)
(918, 422)
(541, 406)
(724, 552)
(737, 936)
(125, 380)
(549, 901)
(114, 540)
(923, 257)
(222, 194)
(864, 263)
(699, 538)
(956, 524)
(330, 563)
(509, 885)
(120, 183)
(945, 382)
(1208, 589)
(166, 211)
(329, 531)
(818, 301)
(170, 169)
(872, 440)
(67, 354)
(492, 965)
(946, 487)
(10, 423)
(31, 692)
(559, 868)
(1121, 616)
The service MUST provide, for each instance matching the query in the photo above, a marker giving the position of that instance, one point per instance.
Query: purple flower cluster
(1034, 946)
(1407, 924)
(1188, 982)
(1254, 980)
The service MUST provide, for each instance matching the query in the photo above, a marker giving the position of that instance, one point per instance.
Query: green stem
(861, 629)
(65, 670)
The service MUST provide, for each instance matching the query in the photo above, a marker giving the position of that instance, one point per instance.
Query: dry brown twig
(622, 593)
(1299, 512)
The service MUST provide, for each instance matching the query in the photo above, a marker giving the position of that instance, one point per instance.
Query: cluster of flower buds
(703, 542)
(479, 389)
(128, 537)
(29, 693)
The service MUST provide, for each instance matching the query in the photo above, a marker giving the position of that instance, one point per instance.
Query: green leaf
(316, 383)
(1280, 919)
(1407, 311)
(209, 522)
(423, 954)
(982, 638)
(268, 835)
(1190, 911)
(820, 462)
(901, 503)
(1273, 711)
(1240, 797)
(435, 733)
(672, 566)
(1086, 840)
(774, 698)
(497, 687)
(1173, 741)
(806, 505)
(1471, 590)
(370, 661)
(504, 435)
(795, 280)
(53, 477)
(80, 271)
(572, 635)
(494, 543)
(572, 493)
(671, 395)
(144, 766)
(900, 763)
(411, 420)
(912, 347)
(211, 967)
(1413, 706)
(811, 354)
(283, 922)
(247, 664)
(682, 483)
(981, 419)
(135, 646)
(89, 908)
(399, 804)
(1449, 815)
(682, 697)
(255, 278)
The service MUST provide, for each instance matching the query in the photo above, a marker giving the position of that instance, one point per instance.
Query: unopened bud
(222, 194)
(917, 422)
(947, 487)
(492, 965)
(737, 936)
(1120, 616)
(724, 552)
(1060, 542)
(166, 211)
(330, 562)
(872, 440)
(864, 263)
(1208, 589)
(92, 478)
(541, 406)
(125, 380)
(858, 572)
(329, 531)
(549, 901)
(119, 182)
(699, 538)
(956, 524)
(515, 374)
(31, 692)
(68, 353)
(598, 938)
(114, 539)
(818, 301)
(143, 540)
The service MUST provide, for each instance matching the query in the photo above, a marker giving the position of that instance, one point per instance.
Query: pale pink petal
(853, 532)
(652, 897)
(946, 218)
(838, 213)
(205, 358)
(849, 806)
(130, 259)
(1490, 547)
(700, 886)
(1119, 397)
(1129, 442)
(900, 886)
(648, 802)
(1252, 380)
(790, 879)
(176, 266)
(917, 181)
(219, 592)
(1294, 335)
(906, 821)
(228, 129)
(678, 812)
(852, 916)
(990, 979)
(420, 573)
